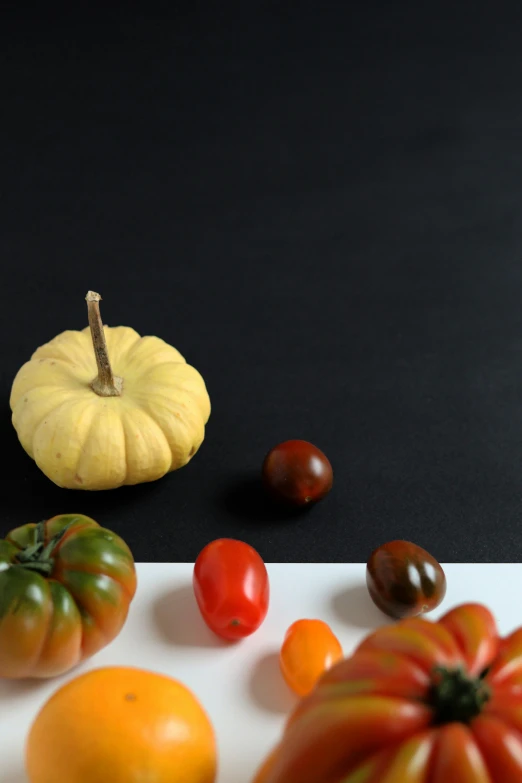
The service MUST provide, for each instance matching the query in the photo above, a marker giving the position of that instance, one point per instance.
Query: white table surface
(240, 685)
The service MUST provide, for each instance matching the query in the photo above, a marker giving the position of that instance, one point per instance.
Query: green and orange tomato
(417, 702)
(66, 585)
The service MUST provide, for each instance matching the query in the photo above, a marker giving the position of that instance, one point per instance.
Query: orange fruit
(122, 725)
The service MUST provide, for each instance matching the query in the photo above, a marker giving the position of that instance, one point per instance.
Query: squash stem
(106, 384)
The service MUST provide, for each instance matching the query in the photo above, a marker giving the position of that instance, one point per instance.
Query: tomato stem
(455, 696)
(37, 556)
(106, 384)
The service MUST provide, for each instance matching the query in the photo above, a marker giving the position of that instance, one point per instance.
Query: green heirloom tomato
(66, 585)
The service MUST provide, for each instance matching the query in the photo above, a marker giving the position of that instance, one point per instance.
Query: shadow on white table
(240, 685)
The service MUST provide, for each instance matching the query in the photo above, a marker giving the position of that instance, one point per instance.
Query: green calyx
(455, 696)
(38, 555)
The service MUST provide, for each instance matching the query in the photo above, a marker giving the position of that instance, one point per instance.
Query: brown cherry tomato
(310, 647)
(404, 580)
(297, 473)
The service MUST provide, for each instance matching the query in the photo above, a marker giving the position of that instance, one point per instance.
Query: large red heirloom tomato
(418, 702)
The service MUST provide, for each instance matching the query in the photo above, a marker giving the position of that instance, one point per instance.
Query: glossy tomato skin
(309, 648)
(52, 621)
(297, 473)
(404, 580)
(417, 702)
(232, 589)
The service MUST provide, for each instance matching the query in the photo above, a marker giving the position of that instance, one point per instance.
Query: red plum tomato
(231, 586)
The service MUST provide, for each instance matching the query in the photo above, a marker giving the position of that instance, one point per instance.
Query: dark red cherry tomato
(231, 587)
(297, 473)
(404, 580)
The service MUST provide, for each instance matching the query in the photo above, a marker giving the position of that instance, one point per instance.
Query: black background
(320, 206)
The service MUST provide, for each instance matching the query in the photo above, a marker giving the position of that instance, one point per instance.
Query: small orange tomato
(309, 648)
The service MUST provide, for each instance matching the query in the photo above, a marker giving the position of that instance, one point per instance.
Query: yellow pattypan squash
(129, 411)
